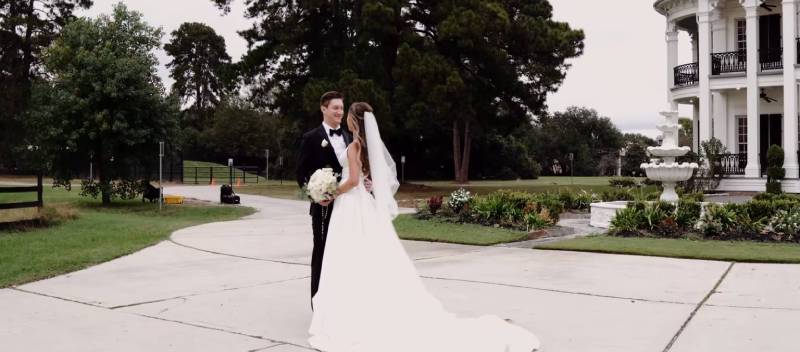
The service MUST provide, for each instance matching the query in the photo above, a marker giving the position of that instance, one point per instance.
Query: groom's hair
(328, 96)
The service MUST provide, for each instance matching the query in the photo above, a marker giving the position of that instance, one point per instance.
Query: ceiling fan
(766, 97)
(767, 6)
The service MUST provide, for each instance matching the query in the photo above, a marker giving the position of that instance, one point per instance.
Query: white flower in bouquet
(322, 185)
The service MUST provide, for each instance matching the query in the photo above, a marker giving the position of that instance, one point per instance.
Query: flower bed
(518, 210)
(767, 218)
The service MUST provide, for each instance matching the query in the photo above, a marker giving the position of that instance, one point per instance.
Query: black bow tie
(332, 132)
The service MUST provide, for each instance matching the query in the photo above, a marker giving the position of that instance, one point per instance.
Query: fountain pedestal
(661, 168)
(667, 170)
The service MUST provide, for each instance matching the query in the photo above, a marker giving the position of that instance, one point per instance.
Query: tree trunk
(461, 152)
(464, 177)
(104, 182)
(456, 150)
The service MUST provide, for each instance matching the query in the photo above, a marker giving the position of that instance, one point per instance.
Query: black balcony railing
(770, 59)
(686, 75)
(732, 61)
(733, 164)
(797, 42)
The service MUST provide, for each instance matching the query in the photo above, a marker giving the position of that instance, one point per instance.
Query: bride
(370, 296)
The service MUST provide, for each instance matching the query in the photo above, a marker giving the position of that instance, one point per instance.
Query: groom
(322, 147)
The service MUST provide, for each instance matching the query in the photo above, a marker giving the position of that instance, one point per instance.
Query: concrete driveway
(244, 286)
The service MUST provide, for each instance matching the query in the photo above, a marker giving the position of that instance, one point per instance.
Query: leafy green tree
(199, 65)
(685, 136)
(26, 28)
(440, 73)
(105, 101)
(580, 131)
(635, 153)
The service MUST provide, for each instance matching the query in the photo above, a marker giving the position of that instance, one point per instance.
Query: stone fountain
(667, 170)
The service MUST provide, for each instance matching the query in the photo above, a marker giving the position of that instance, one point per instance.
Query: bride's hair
(355, 119)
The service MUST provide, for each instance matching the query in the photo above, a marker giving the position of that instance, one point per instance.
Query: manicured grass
(409, 228)
(683, 248)
(99, 234)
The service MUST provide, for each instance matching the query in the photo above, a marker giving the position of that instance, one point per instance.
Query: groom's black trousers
(320, 219)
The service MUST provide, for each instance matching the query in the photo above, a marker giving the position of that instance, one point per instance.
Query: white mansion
(742, 81)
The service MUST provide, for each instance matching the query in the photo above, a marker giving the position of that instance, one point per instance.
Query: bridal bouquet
(322, 185)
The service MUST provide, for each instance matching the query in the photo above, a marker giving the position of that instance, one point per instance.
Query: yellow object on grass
(173, 199)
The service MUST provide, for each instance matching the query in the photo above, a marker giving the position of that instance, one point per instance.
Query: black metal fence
(771, 59)
(221, 174)
(728, 62)
(733, 164)
(24, 189)
(686, 75)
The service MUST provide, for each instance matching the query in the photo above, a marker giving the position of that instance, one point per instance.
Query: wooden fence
(24, 189)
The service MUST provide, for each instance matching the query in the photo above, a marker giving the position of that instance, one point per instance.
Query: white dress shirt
(337, 141)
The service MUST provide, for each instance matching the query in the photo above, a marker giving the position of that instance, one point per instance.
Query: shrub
(687, 213)
(775, 170)
(649, 182)
(124, 189)
(693, 196)
(434, 204)
(583, 200)
(716, 221)
(568, 199)
(458, 199)
(616, 195)
(760, 209)
(786, 223)
(654, 213)
(535, 221)
(622, 182)
(627, 222)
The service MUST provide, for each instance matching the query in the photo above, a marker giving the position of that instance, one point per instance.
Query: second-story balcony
(729, 62)
(686, 75)
(770, 59)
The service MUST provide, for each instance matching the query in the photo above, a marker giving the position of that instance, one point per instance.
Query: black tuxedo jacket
(314, 156)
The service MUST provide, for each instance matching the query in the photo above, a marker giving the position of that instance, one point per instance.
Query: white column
(695, 50)
(695, 128)
(721, 117)
(704, 59)
(789, 89)
(672, 56)
(753, 168)
(719, 44)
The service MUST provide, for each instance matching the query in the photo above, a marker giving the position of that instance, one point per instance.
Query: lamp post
(403, 168)
(160, 174)
(572, 168)
(230, 172)
(266, 172)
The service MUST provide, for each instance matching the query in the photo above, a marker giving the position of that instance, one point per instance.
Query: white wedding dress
(371, 298)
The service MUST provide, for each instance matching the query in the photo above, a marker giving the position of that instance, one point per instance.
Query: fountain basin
(603, 212)
(669, 172)
(668, 151)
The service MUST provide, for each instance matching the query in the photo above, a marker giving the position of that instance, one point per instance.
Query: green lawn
(683, 248)
(98, 234)
(409, 228)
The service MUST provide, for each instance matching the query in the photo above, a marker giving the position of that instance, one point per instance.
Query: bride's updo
(355, 122)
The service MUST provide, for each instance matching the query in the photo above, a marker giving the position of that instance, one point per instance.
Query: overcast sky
(621, 74)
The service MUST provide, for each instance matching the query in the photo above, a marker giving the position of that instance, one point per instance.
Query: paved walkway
(243, 286)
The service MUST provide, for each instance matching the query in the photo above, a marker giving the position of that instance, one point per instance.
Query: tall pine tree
(434, 70)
